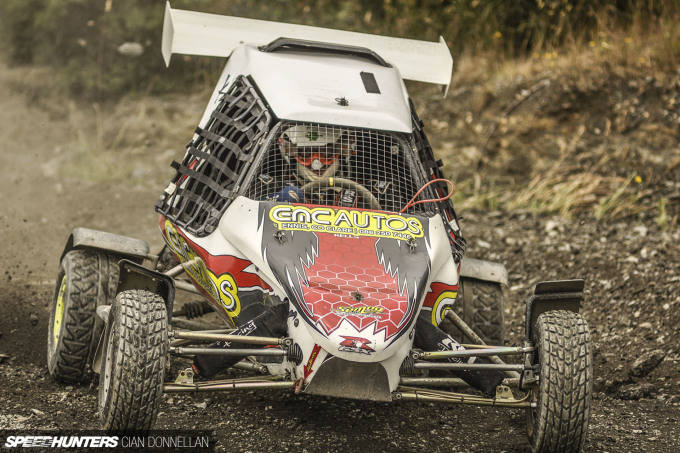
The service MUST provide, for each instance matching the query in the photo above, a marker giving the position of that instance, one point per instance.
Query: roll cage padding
(216, 160)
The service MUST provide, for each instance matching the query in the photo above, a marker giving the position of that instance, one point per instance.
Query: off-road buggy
(310, 188)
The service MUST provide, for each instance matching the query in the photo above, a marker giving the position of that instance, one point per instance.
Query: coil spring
(195, 309)
(294, 353)
(406, 368)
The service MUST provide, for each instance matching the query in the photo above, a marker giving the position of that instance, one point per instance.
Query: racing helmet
(316, 149)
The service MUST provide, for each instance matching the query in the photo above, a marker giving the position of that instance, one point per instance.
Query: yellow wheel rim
(59, 311)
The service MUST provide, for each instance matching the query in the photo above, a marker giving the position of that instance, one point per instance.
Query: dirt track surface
(51, 182)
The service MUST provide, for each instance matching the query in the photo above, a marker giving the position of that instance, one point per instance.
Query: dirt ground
(56, 174)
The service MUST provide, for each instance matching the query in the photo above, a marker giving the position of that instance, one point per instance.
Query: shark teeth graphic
(289, 257)
(397, 259)
(305, 248)
(389, 255)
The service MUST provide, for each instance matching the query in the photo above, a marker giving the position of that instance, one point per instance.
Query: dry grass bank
(590, 129)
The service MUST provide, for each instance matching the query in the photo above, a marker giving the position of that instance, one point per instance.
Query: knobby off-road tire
(85, 281)
(559, 423)
(482, 306)
(133, 362)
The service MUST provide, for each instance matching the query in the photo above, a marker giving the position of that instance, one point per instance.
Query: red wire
(433, 200)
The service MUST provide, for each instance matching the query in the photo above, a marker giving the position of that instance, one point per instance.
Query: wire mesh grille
(216, 160)
(338, 166)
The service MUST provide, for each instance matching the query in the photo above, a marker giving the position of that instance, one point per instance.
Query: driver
(315, 153)
(316, 149)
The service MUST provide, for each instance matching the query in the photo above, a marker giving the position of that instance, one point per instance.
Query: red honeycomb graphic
(343, 267)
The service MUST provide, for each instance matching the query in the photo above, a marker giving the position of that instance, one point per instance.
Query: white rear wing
(193, 33)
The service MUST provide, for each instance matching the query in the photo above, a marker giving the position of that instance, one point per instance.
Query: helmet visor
(308, 154)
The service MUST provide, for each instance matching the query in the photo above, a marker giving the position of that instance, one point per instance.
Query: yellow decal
(222, 289)
(344, 221)
(439, 309)
(363, 310)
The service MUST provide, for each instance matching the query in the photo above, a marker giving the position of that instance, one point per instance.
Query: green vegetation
(662, 218)
(81, 37)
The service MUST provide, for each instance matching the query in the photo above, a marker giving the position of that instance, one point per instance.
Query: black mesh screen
(216, 160)
(433, 168)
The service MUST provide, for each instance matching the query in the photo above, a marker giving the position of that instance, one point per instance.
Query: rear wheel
(559, 422)
(133, 362)
(481, 305)
(166, 260)
(85, 281)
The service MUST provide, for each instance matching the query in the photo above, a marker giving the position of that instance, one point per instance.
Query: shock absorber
(194, 309)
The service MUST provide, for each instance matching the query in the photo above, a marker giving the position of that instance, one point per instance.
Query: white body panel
(239, 226)
(243, 239)
(440, 252)
(304, 87)
(245, 235)
(194, 33)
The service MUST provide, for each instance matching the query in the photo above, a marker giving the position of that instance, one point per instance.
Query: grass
(132, 141)
(662, 218)
(624, 200)
(566, 194)
(591, 172)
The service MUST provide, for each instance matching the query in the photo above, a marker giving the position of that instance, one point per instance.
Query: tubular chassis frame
(411, 388)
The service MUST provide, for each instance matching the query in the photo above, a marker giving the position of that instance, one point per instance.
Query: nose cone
(356, 276)
(348, 267)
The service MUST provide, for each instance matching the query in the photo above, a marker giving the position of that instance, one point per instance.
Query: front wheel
(133, 362)
(85, 281)
(559, 422)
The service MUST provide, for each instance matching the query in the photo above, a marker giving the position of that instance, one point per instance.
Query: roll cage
(237, 154)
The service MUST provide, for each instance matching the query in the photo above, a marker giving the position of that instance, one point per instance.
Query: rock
(612, 384)
(551, 226)
(641, 230)
(635, 391)
(130, 49)
(483, 244)
(19, 419)
(201, 405)
(646, 363)
(34, 319)
(37, 412)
